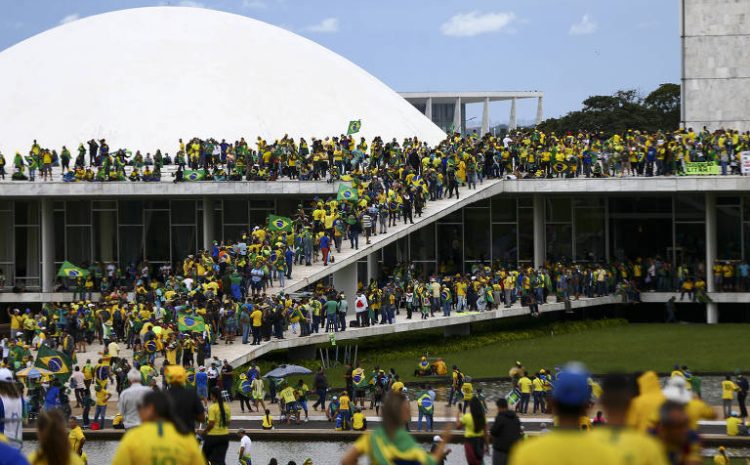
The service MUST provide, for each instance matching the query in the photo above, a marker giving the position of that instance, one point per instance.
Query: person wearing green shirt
(331, 308)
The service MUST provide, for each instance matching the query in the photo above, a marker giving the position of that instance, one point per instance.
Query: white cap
(6, 376)
(437, 438)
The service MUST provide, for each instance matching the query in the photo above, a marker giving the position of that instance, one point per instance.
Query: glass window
(479, 204)
(525, 234)
(157, 205)
(477, 224)
(728, 233)
(157, 241)
(104, 205)
(588, 202)
(27, 254)
(235, 212)
(690, 241)
(183, 242)
(526, 202)
(557, 210)
(6, 236)
(105, 236)
(233, 232)
(395, 252)
(27, 212)
(450, 255)
(263, 204)
(423, 243)
(259, 217)
(131, 211)
(131, 244)
(641, 205)
(455, 217)
(77, 212)
(78, 245)
(423, 270)
(503, 209)
(504, 246)
(59, 219)
(589, 238)
(559, 242)
(733, 201)
(689, 207)
(183, 212)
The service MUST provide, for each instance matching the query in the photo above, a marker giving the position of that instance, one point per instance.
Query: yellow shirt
(398, 386)
(698, 410)
(214, 414)
(358, 421)
(413, 455)
(75, 437)
(568, 447)
(344, 402)
(468, 391)
(720, 459)
(101, 397)
(636, 448)
(524, 384)
(257, 317)
(727, 389)
(468, 421)
(157, 442)
(733, 426)
(75, 459)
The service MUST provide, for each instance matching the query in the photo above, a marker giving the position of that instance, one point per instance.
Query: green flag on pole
(69, 270)
(193, 175)
(54, 361)
(279, 223)
(354, 127)
(347, 193)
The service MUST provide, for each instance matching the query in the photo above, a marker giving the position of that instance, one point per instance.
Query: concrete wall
(716, 63)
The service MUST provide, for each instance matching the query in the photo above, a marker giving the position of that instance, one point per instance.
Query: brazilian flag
(354, 127)
(561, 167)
(54, 361)
(279, 223)
(191, 323)
(190, 380)
(244, 386)
(69, 270)
(193, 175)
(347, 193)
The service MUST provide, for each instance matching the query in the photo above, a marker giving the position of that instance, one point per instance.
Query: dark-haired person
(53, 447)
(216, 434)
(505, 432)
(390, 442)
(160, 438)
(476, 435)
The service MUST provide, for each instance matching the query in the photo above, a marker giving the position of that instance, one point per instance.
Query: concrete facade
(715, 64)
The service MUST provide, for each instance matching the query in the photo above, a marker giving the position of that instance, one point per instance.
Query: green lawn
(630, 347)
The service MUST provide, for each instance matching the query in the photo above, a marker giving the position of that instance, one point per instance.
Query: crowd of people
(525, 153)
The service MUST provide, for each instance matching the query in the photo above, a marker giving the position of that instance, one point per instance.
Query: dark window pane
(183, 212)
(27, 252)
(233, 232)
(6, 236)
(77, 212)
(691, 243)
(396, 252)
(504, 243)
(263, 204)
(78, 241)
(183, 242)
(503, 209)
(559, 240)
(157, 241)
(157, 205)
(423, 243)
(105, 236)
(27, 212)
(259, 217)
(59, 219)
(689, 207)
(450, 255)
(589, 238)
(455, 217)
(423, 270)
(728, 233)
(131, 211)
(477, 227)
(104, 205)
(525, 234)
(131, 244)
(641, 205)
(235, 212)
(557, 210)
(588, 202)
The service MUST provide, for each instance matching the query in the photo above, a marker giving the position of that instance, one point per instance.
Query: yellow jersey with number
(158, 443)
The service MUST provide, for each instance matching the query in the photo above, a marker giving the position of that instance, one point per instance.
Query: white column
(345, 280)
(208, 223)
(539, 110)
(457, 115)
(486, 116)
(540, 251)
(372, 266)
(712, 308)
(48, 245)
(428, 108)
(512, 121)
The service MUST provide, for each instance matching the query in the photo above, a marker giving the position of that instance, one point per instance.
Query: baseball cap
(572, 386)
(437, 438)
(6, 376)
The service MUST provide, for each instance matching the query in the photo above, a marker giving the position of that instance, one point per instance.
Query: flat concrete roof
(470, 97)
(627, 185)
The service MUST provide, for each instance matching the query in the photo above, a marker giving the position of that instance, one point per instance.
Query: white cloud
(475, 23)
(585, 26)
(328, 25)
(254, 4)
(70, 18)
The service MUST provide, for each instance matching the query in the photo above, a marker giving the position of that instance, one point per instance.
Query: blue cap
(572, 388)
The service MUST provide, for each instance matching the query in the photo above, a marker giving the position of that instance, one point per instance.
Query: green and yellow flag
(354, 127)
(279, 223)
(70, 271)
(193, 175)
(54, 361)
(347, 193)
(191, 323)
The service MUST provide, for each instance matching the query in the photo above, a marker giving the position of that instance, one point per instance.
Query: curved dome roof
(142, 78)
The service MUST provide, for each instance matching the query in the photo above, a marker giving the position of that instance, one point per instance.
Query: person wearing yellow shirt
(643, 412)
(216, 433)
(397, 385)
(158, 439)
(16, 322)
(735, 426)
(359, 422)
(567, 443)
(728, 389)
(76, 438)
(537, 384)
(345, 409)
(467, 392)
(525, 386)
(721, 457)
(635, 447)
(50, 426)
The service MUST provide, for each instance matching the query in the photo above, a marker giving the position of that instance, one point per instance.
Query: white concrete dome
(142, 78)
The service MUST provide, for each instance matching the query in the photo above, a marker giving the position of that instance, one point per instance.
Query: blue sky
(569, 49)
